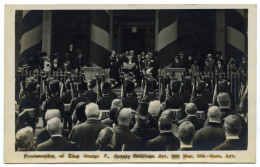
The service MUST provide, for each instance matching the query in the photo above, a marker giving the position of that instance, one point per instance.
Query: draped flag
(235, 34)
(167, 36)
(99, 38)
(31, 40)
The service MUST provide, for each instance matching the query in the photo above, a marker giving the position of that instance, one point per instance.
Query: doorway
(134, 40)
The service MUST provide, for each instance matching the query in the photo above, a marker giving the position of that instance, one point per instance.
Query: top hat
(142, 109)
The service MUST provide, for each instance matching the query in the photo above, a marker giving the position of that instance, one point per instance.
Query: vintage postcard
(130, 84)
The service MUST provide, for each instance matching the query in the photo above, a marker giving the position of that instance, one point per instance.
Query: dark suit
(44, 136)
(202, 104)
(186, 96)
(108, 122)
(85, 134)
(92, 96)
(130, 102)
(231, 144)
(195, 121)
(57, 143)
(66, 99)
(144, 131)
(126, 137)
(209, 137)
(164, 141)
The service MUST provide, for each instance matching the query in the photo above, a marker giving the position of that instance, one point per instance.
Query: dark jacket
(125, 137)
(209, 137)
(105, 102)
(85, 134)
(43, 136)
(92, 96)
(75, 101)
(130, 102)
(164, 141)
(54, 102)
(108, 122)
(198, 124)
(57, 143)
(231, 144)
(144, 131)
(66, 97)
(201, 104)
(175, 102)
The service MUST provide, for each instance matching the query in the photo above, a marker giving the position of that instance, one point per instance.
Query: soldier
(130, 101)
(211, 63)
(66, 99)
(29, 100)
(82, 89)
(150, 88)
(92, 96)
(182, 60)
(54, 101)
(108, 96)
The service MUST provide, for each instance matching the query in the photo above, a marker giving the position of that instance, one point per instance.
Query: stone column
(47, 31)
(220, 31)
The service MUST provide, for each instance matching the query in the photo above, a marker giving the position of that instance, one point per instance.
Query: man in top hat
(112, 115)
(80, 113)
(175, 101)
(54, 101)
(66, 99)
(108, 96)
(86, 133)
(92, 96)
(141, 127)
(130, 101)
(232, 128)
(186, 135)
(125, 139)
(150, 88)
(166, 139)
(211, 134)
(186, 89)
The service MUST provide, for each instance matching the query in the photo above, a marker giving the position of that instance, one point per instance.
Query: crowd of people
(184, 119)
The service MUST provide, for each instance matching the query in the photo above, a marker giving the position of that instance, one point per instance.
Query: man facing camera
(232, 128)
(186, 134)
(56, 142)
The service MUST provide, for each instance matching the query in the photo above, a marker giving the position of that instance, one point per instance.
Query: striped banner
(167, 36)
(235, 34)
(31, 40)
(99, 38)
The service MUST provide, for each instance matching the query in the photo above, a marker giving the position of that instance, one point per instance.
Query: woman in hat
(195, 67)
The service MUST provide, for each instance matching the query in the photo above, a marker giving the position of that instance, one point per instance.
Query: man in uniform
(108, 96)
(130, 101)
(150, 88)
(54, 101)
(113, 65)
(92, 96)
(82, 88)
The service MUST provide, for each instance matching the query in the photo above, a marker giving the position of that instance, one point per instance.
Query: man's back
(164, 141)
(231, 144)
(85, 134)
(130, 102)
(92, 96)
(144, 132)
(126, 137)
(57, 143)
(196, 122)
(209, 137)
(105, 102)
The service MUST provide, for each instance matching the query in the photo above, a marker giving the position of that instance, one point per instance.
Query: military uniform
(92, 96)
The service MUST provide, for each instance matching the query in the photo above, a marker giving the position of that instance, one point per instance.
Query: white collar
(185, 145)
(232, 137)
(56, 135)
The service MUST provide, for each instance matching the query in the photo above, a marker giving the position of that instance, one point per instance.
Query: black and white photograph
(123, 84)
